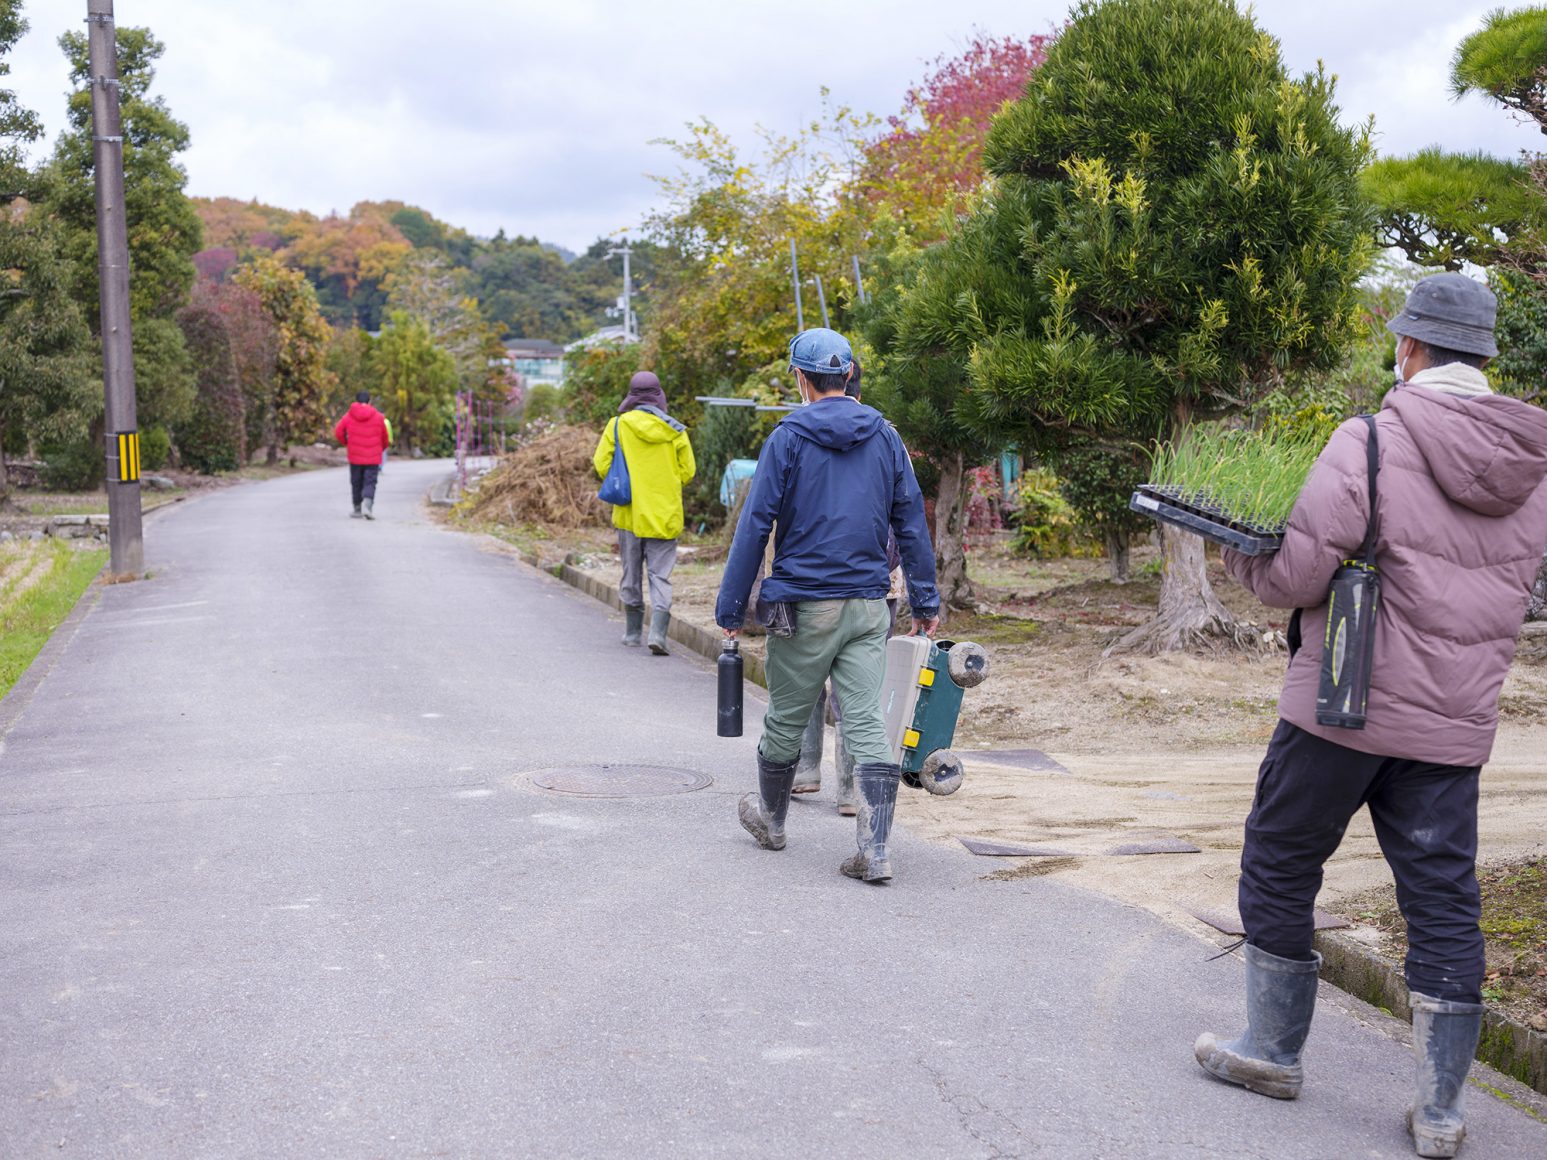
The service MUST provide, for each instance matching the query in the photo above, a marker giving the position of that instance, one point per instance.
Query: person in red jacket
(363, 430)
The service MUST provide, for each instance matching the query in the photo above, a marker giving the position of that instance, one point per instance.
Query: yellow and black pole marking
(128, 457)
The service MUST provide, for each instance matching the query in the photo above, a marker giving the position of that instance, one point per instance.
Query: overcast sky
(536, 117)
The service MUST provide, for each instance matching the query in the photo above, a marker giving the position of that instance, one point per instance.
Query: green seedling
(1251, 478)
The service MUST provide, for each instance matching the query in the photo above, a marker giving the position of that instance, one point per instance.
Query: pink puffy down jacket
(1463, 526)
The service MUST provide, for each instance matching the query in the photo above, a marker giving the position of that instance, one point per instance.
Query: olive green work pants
(843, 639)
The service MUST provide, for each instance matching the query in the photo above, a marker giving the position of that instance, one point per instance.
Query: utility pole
(628, 314)
(859, 283)
(125, 536)
(822, 298)
(800, 315)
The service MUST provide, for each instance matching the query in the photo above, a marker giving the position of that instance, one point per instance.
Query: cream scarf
(1454, 379)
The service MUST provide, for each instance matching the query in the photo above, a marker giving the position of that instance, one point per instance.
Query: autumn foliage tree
(931, 155)
(301, 378)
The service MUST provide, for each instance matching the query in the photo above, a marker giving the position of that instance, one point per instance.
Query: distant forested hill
(523, 286)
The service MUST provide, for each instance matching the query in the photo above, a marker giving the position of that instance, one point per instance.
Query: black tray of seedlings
(1196, 514)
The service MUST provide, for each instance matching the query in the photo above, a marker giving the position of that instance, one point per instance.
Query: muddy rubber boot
(357, 513)
(848, 798)
(658, 622)
(1444, 1044)
(1280, 999)
(808, 770)
(762, 813)
(877, 783)
(633, 623)
(369, 504)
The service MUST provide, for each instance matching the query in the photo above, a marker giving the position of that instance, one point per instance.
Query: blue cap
(820, 351)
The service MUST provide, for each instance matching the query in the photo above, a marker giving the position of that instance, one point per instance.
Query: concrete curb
(1506, 1046)
(705, 642)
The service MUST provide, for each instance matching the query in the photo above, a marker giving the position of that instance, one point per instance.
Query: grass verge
(40, 581)
(1514, 926)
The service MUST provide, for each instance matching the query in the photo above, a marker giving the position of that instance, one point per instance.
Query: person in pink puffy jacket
(1461, 526)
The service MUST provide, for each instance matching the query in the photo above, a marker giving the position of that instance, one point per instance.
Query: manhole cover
(619, 780)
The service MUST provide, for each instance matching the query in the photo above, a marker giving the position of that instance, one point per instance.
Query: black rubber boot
(633, 623)
(808, 770)
(1280, 999)
(877, 784)
(762, 814)
(659, 620)
(1444, 1044)
(848, 798)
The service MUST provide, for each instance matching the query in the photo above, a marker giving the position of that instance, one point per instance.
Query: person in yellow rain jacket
(660, 460)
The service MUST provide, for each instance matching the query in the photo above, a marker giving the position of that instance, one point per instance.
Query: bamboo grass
(1251, 477)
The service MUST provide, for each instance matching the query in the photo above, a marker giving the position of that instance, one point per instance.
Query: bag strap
(617, 441)
(1372, 452)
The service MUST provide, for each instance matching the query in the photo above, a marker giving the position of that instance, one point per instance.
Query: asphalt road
(275, 882)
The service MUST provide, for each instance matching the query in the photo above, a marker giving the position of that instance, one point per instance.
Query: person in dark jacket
(364, 431)
(834, 478)
(808, 770)
(1461, 517)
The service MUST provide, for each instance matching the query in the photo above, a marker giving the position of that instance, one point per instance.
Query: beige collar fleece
(1454, 379)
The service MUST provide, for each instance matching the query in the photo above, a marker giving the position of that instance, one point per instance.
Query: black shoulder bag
(1348, 652)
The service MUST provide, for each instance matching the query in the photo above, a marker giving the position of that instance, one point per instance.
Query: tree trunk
(1190, 615)
(1117, 554)
(1538, 606)
(950, 555)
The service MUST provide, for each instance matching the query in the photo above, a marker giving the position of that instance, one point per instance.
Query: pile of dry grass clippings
(549, 481)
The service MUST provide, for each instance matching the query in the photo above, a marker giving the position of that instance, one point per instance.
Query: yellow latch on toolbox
(910, 738)
(926, 678)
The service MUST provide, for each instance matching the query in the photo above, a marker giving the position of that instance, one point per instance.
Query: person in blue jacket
(832, 480)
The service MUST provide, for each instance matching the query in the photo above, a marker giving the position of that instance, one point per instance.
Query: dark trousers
(1425, 818)
(362, 481)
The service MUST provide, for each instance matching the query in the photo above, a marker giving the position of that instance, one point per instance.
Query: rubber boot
(877, 781)
(1444, 1044)
(1280, 999)
(659, 619)
(848, 799)
(808, 771)
(369, 504)
(633, 623)
(356, 514)
(762, 814)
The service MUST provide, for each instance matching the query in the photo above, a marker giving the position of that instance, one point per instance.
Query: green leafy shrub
(155, 448)
(543, 401)
(726, 433)
(1046, 526)
(72, 463)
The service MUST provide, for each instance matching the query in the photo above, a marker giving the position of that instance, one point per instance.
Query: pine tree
(1176, 226)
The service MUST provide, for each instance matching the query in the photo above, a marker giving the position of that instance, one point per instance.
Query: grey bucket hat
(1450, 311)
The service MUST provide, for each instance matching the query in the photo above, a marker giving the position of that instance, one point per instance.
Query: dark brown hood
(1487, 453)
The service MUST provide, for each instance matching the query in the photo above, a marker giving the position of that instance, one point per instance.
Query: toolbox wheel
(941, 773)
(967, 664)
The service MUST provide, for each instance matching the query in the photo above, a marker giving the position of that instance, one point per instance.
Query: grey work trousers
(658, 558)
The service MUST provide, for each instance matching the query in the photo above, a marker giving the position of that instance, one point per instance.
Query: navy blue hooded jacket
(835, 477)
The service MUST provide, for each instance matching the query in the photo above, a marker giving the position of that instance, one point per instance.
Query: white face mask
(1400, 369)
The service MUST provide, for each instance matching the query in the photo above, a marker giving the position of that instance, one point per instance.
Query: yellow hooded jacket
(660, 461)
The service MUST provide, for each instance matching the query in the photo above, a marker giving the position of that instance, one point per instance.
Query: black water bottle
(730, 690)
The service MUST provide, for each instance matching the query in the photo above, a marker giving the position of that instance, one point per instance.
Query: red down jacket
(363, 429)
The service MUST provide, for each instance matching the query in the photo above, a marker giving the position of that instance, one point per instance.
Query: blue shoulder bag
(615, 487)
